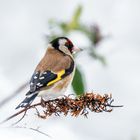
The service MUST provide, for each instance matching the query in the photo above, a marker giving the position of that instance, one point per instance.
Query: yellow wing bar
(59, 77)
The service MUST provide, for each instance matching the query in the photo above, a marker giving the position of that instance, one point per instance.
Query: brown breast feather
(54, 61)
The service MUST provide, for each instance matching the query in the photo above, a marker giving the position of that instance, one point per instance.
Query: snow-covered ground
(23, 25)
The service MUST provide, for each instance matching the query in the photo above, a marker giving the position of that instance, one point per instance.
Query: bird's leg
(43, 103)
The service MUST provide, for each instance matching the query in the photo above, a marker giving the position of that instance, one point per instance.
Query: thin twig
(14, 94)
(37, 130)
(20, 118)
(33, 129)
(19, 112)
(116, 106)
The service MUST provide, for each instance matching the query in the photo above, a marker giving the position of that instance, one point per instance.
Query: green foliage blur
(91, 32)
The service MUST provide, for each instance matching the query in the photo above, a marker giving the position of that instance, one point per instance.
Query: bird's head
(64, 45)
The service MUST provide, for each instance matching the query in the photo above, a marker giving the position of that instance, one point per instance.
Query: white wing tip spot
(38, 84)
(35, 77)
(31, 83)
(41, 78)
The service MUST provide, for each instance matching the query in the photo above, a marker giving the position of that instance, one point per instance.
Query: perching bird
(54, 72)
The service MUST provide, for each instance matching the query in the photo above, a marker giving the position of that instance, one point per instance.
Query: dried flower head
(72, 105)
(77, 106)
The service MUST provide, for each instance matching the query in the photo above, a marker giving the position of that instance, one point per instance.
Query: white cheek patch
(64, 49)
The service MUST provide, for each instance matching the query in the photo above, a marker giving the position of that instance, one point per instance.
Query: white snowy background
(23, 25)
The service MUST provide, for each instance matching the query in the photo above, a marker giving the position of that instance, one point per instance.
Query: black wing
(40, 80)
(47, 78)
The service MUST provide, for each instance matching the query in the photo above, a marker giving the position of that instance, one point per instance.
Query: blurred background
(108, 31)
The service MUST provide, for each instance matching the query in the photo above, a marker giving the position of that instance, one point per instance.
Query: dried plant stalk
(78, 106)
(74, 106)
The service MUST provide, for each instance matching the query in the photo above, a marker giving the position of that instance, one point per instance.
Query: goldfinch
(54, 72)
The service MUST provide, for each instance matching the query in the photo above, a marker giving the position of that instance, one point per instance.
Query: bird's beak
(76, 49)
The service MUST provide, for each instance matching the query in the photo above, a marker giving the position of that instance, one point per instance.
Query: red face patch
(69, 44)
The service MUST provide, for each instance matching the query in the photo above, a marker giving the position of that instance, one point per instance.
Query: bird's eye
(67, 44)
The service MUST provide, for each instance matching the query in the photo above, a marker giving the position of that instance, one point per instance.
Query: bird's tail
(27, 101)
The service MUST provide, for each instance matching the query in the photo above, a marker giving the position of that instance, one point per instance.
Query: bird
(54, 73)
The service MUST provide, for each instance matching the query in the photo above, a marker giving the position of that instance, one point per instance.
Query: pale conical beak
(76, 49)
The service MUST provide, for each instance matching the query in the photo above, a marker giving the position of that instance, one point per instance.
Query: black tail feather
(29, 93)
(27, 101)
